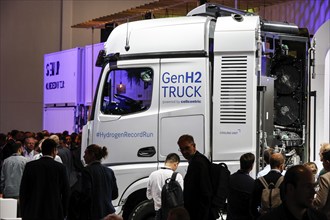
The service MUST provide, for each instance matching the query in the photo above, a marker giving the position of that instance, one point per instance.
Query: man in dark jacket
(197, 192)
(240, 190)
(299, 190)
(44, 189)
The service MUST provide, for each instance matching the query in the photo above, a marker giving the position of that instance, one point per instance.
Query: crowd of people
(44, 172)
(298, 193)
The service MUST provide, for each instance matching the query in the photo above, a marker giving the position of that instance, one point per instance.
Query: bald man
(277, 162)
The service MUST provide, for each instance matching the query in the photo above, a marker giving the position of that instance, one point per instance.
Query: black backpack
(172, 195)
(220, 176)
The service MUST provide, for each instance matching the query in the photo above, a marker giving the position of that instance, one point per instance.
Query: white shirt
(27, 154)
(156, 183)
(38, 156)
(264, 171)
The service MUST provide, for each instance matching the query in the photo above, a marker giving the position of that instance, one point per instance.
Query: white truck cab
(235, 82)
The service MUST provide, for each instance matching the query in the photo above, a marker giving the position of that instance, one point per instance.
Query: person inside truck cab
(197, 191)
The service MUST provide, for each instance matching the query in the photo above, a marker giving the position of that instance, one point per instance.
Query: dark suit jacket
(283, 213)
(44, 190)
(271, 177)
(99, 188)
(240, 194)
(197, 190)
(66, 157)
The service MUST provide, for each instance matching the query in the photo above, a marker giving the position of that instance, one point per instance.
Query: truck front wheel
(143, 211)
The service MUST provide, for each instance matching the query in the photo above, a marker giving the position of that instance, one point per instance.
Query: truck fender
(137, 185)
(133, 195)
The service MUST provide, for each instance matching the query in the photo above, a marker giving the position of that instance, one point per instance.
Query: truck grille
(233, 89)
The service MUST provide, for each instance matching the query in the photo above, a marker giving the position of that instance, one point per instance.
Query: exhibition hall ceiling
(171, 8)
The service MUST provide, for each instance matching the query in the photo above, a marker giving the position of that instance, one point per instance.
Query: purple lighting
(309, 14)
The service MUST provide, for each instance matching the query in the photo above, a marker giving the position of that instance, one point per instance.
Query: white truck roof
(160, 35)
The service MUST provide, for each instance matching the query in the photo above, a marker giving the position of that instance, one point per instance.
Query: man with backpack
(266, 192)
(197, 192)
(157, 181)
(298, 193)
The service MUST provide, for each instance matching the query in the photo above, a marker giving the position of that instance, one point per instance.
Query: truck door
(184, 103)
(126, 112)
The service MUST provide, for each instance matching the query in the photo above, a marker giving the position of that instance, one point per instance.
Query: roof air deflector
(216, 10)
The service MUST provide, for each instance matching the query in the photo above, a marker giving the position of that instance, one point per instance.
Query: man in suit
(240, 190)
(44, 187)
(277, 166)
(197, 192)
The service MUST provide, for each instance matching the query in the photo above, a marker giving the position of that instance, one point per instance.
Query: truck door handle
(146, 152)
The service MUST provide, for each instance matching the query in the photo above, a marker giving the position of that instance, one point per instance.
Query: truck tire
(143, 211)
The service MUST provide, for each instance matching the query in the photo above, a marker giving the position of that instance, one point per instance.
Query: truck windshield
(127, 91)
